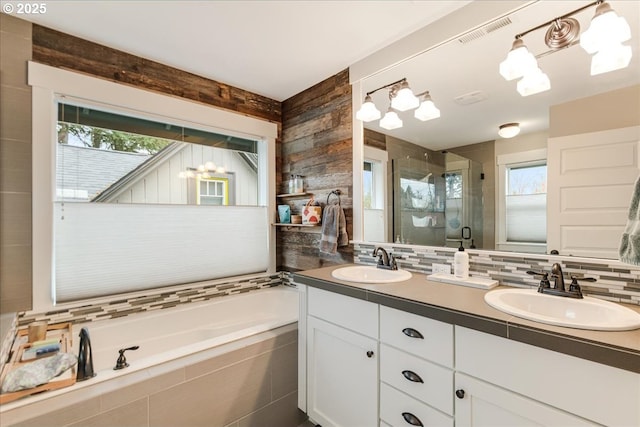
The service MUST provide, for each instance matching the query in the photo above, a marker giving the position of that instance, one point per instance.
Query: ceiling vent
(471, 97)
(483, 31)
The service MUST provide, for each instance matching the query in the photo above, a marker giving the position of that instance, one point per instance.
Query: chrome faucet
(385, 261)
(558, 287)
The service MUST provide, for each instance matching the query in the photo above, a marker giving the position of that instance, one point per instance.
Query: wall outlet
(441, 268)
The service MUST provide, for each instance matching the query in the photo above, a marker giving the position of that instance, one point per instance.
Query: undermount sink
(368, 274)
(586, 313)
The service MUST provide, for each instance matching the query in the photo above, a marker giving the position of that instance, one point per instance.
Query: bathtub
(171, 338)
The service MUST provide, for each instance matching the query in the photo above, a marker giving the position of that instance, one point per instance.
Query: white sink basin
(368, 274)
(587, 313)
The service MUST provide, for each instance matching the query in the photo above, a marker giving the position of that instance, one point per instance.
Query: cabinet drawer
(351, 313)
(421, 336)
(399, 410)
(430, 383)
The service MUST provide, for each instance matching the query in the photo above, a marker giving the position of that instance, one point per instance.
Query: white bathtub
(175, 332)
(167, 336)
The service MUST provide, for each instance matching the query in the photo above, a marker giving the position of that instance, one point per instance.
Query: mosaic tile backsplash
(616, 281)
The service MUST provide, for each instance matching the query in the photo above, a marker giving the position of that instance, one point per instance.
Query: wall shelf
(285, 224)
(293, 195)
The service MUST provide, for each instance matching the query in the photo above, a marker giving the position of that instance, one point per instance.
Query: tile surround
(617, 281)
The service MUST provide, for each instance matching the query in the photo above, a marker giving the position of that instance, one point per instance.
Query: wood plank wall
(317, 144)
(65, 51)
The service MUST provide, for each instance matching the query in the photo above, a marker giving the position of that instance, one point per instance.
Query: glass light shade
(606, 29)
(533, 82)
(518, 63)
(404, 99)
(391, 120)
(612, 58)
(368, 111)
(509, 130)
(209, 166)
(427, 111)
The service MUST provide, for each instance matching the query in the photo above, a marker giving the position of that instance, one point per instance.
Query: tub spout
(85, 357)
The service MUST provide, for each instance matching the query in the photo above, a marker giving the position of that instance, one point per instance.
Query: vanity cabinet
(416, 369)
(342, 360)
(500, 381)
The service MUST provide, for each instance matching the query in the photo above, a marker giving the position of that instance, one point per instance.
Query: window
(214, 191)
(522, 201)
(126, 212)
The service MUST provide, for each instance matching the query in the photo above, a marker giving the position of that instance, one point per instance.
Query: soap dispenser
(461, 263)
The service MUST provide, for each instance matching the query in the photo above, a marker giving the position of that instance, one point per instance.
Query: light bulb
(533, 82)
(519, 62)
(368, 111)
(390, 120)
(427, 110)
(404, 98)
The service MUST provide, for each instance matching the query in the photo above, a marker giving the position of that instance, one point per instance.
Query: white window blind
(103, 249)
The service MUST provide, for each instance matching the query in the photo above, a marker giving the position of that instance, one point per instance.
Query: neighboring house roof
(84, 172)
(141, 169)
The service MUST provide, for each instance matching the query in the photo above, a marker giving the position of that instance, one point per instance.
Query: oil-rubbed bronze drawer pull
(412, 376)
(412, 333)
(412, 419)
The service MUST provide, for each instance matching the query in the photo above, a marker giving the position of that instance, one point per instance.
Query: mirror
(423, 162)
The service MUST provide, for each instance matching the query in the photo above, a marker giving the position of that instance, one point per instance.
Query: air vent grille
(481, 32)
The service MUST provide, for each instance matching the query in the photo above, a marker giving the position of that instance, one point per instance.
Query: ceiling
(457, 68)
(273, 48)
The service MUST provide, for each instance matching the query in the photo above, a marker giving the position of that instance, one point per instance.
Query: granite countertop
(464, 306)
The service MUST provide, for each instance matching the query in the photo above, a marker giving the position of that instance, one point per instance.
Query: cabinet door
(342, 376)
(482, 404)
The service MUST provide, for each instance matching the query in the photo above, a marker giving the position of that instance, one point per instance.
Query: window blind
(103, 249)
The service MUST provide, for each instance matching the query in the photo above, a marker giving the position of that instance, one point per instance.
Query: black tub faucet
(85, 357)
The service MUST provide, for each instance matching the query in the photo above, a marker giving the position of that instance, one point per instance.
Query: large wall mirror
(453, 179)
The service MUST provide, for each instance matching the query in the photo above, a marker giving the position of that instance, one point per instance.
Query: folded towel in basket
(334, 229)
(630, 244)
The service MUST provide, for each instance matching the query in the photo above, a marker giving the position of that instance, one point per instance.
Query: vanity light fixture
(509, 130)
(603, 39)
(401, 98)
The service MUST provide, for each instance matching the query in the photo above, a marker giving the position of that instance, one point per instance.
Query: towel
(33, 374)
(630, 244)
(334, 229)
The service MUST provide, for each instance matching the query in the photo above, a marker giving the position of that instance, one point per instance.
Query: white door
(590, 183)
(481, 404)
(342, 376)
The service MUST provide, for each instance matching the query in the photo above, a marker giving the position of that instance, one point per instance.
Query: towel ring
(336, 193)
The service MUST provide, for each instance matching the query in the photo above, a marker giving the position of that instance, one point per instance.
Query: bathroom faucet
(558, 288)
(385, 260)
(85, 357)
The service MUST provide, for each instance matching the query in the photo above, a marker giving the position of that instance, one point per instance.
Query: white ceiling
(274, 48)
(459, 68)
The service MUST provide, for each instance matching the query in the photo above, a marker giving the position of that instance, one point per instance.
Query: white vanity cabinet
(342, 360)
(416, 370)
(504, 382)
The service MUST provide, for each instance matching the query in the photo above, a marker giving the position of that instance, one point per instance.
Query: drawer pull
(412, 333)
(412, 419)
(369, 354)
(412, 376)
(460, 394)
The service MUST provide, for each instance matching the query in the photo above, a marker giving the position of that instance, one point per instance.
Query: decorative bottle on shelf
(461, 263)
(292, 185)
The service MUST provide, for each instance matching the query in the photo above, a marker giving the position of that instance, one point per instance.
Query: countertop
(464, 306)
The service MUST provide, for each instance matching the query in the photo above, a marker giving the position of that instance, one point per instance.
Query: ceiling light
(606, 29)
(509, 130)
(427, 109)
(562, 33)
(403, 98)
(391, 120)
(368, 111)
(519, 61)
(534, 82)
